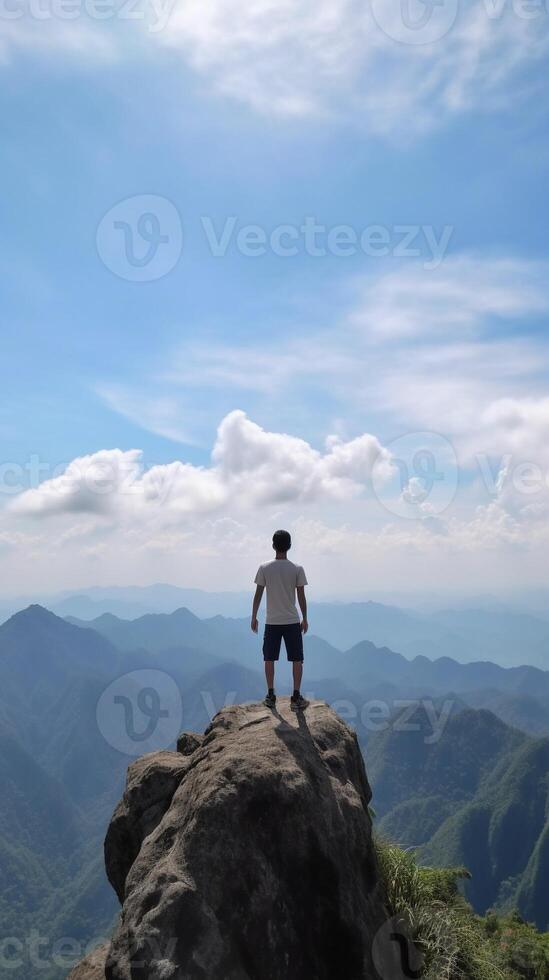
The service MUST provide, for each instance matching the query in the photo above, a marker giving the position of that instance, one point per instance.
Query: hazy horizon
(414, 599)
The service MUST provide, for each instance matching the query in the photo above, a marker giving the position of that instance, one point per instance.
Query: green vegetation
(436, 917)
(477, 797)
(453, 942)
(510, 806)
(519, 948)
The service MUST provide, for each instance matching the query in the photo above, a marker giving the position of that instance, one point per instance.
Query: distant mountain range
(502, 633)
(61, 777)
(129, 602)
(518, 695)
(466, 635)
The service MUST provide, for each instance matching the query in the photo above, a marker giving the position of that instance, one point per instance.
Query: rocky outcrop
(150, 785)
(92, 967)
(249, 857)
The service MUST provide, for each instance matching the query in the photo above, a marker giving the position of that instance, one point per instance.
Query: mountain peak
(274, 799)
(34, 614)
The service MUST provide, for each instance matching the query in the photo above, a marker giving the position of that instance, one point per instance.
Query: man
(282, 579)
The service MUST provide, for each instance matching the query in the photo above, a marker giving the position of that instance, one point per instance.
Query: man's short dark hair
(282, 541)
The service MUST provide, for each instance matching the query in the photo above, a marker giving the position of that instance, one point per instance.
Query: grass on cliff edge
(454, 943)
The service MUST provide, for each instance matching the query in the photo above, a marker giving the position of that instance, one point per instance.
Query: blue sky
(268, 116)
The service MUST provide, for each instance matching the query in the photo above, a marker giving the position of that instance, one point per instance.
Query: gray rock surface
(92, 967)
(250, 858)
(188, 742)
(150, 785)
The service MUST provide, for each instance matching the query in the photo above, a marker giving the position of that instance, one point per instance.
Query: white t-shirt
(281, 577)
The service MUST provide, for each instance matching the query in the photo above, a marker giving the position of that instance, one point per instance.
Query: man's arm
(255, 608)
(303, 606)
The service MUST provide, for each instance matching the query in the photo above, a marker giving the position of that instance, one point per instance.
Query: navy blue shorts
(293, 641)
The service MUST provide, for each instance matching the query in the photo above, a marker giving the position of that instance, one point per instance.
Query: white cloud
(519, 429)
(520, 425)
(297, 57)
(88, 485)
(222, 552)
(323, 58)
(186, 535)
(417, 350)
(490, 528)
(250, 468)
(160, 414)
(259, 479)
(275, 468)
(464, 294)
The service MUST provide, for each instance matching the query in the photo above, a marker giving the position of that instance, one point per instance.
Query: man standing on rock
(282, 579)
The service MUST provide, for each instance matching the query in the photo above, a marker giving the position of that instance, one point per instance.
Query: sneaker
(298, 703)
(270, 701)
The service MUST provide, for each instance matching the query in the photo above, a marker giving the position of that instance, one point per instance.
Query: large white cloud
(88, 485)
(250, 468)
(183, 523)
(256, 472)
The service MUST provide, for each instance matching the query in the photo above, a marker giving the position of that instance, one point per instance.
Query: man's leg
(271, 651)
(297, 667)
(293, 638)
(270, 674)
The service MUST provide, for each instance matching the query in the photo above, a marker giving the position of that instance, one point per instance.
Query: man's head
(282, 542)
